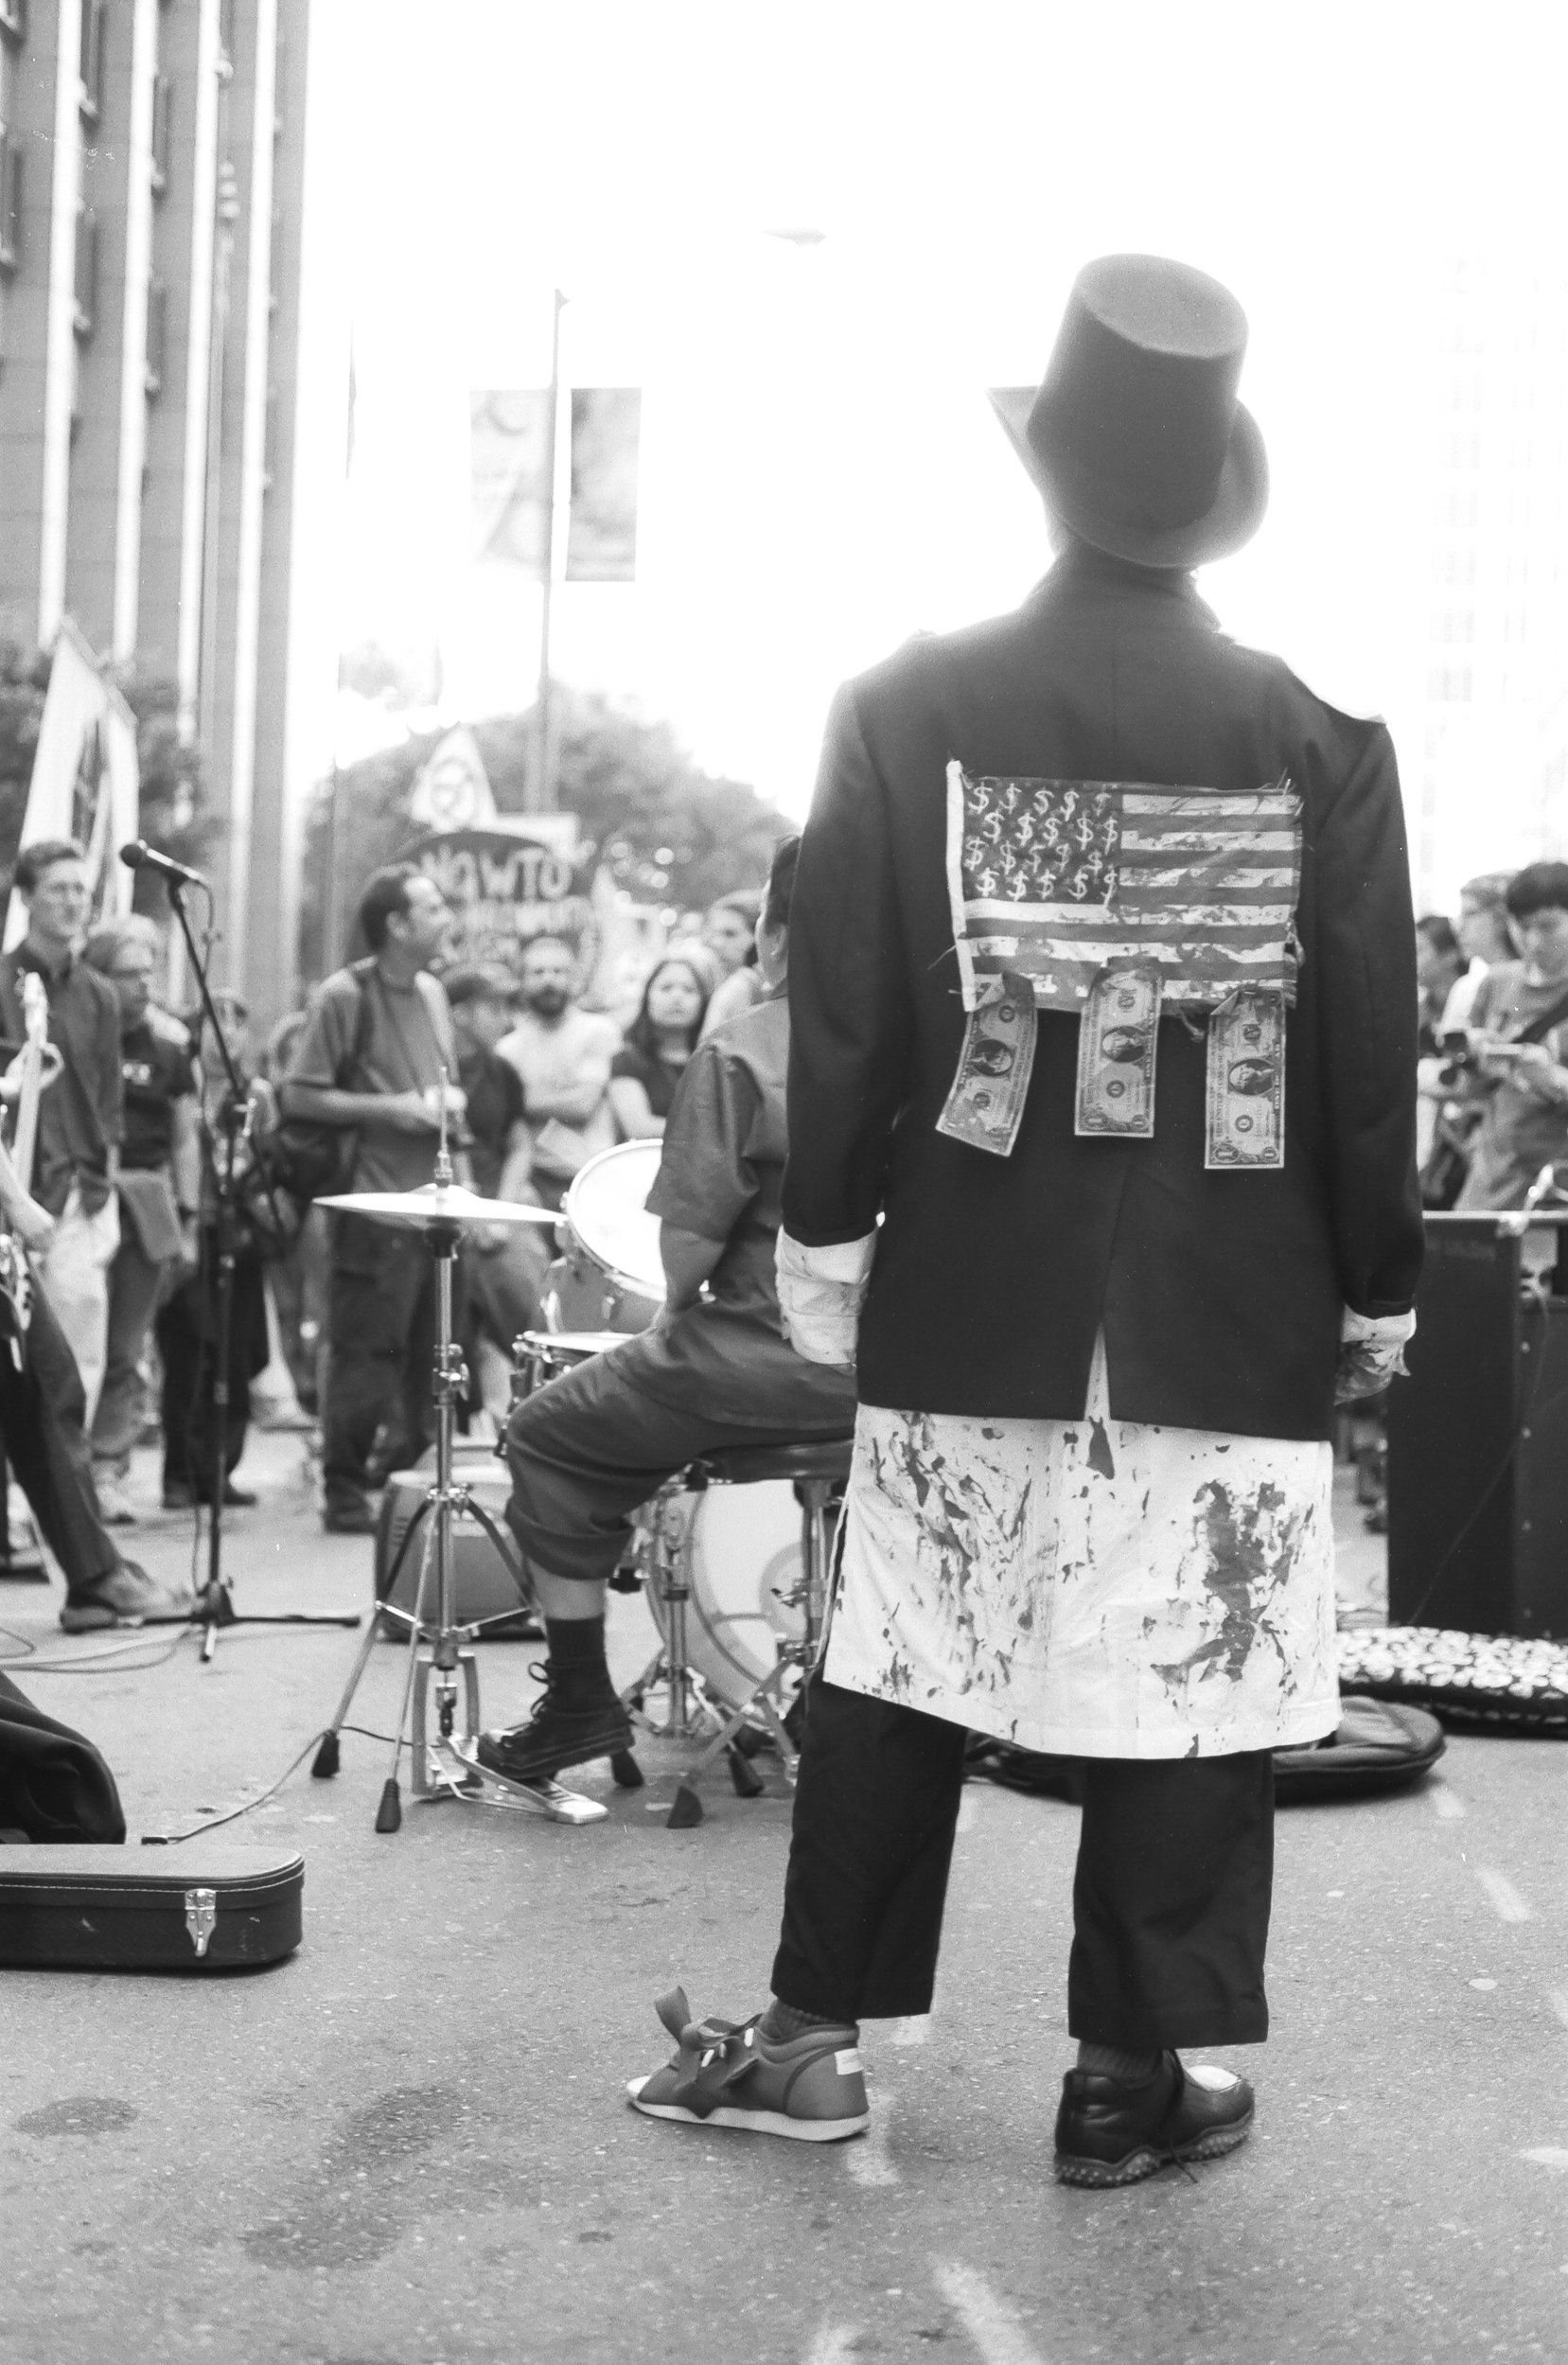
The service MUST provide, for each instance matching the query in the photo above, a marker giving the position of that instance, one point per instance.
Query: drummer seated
(713, 1372)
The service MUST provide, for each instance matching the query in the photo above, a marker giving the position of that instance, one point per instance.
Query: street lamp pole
(541, 783)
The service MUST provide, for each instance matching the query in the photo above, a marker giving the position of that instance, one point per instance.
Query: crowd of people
(533, 1084)
(537, 1083)
(1493, 1071)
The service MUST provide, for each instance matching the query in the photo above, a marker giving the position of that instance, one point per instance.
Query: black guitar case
(54, 1785)
(203, 1906)
(1378, 1745)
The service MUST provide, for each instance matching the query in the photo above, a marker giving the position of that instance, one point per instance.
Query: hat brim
(1231, 520)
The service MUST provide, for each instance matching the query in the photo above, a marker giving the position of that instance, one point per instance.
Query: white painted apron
(1099, 1588)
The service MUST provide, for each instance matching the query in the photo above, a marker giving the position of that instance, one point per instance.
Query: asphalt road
(409, 2144)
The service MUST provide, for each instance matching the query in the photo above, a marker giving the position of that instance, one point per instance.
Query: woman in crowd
(660, 1040)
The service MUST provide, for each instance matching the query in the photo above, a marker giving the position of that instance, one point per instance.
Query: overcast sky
(820, 473)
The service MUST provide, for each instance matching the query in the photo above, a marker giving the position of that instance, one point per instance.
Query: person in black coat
(1102, 1114)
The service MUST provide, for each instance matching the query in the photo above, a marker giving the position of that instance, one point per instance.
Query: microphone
(139, 855)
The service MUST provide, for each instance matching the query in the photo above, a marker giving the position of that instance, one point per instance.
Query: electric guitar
(16, 1281)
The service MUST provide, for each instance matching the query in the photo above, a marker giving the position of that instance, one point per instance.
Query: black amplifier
(1478, 1433)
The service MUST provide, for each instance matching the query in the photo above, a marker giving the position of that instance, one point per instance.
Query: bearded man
(1100, 1295)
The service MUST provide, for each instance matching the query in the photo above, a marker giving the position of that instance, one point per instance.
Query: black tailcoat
(1220, 1292)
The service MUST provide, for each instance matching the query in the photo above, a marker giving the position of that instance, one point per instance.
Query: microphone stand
(215, 1605)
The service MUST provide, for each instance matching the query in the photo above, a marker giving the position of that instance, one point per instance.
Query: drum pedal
(479, 1786)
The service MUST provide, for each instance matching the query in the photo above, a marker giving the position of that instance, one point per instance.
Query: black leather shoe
(349, 1517)
(1108, 2133)
(558, 1733)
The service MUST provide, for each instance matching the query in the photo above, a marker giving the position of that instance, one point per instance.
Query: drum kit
(731, 1553)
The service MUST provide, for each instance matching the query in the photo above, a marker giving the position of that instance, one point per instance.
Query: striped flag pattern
(1056, 879)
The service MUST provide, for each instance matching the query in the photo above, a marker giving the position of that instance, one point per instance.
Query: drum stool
(817, 1469)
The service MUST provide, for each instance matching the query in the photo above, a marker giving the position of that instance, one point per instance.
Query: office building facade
(173, 394)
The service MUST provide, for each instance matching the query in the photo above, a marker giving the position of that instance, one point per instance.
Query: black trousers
(186, 1331)
(591, 1447)
(1170, 1902)
(380, 1364)
(42, 1407)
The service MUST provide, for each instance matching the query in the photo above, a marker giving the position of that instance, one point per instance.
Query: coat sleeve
(850, 1013)
(1365, 948)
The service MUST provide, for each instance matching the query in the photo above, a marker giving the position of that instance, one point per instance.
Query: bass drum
(740, 1550)
(610, 1275)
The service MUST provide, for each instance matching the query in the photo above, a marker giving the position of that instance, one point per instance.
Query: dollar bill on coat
(1245, 1096)
(985, 1105)
(1118, 1042)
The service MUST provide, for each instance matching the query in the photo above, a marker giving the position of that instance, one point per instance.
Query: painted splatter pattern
(1097, 1587)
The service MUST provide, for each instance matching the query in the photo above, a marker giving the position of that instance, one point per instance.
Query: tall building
(1489, 781)
(173, 394)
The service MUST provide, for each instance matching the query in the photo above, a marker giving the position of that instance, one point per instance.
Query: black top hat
(1136, 437)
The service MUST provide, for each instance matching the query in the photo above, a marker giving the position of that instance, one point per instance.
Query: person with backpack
(362, 1095)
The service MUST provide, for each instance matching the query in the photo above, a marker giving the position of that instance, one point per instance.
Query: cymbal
(436, 1203)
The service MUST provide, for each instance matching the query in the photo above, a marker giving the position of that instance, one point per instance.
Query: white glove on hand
(1371, 1352)
(821, 1294)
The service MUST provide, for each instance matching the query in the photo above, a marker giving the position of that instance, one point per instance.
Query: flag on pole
(601, 544)
(115, 820)
(512, 481)
(84, 778)
(453, 790)
(511, 477)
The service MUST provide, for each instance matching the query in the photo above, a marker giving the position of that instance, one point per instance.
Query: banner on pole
(86, 779)
(601, 542)
(511, 477)
(511, 481)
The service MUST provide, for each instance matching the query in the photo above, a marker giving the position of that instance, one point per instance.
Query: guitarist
(42, 1421)
(82, 1117)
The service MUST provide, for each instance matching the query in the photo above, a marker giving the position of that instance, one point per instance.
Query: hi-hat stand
(214, 1603)
(438, 1722)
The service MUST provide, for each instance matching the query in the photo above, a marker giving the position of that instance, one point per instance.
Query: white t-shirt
(575, 1049)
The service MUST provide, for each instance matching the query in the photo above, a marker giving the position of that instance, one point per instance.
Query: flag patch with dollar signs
(1070, 888)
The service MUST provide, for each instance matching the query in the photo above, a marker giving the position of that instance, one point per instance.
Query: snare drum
(740, 1551)
(612, 1269)
(539, 1356)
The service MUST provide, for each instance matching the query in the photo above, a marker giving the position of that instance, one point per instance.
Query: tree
(666, 830)
(173, 814)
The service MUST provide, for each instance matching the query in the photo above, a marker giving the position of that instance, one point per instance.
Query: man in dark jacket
(1103, 1004)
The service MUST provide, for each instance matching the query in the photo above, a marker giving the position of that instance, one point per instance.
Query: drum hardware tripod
(440, 1654)
(214, 1606)
(809, 1596)
(691, 1713)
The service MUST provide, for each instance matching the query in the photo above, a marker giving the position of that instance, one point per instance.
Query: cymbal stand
(441, 1659)
(765, 1699)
